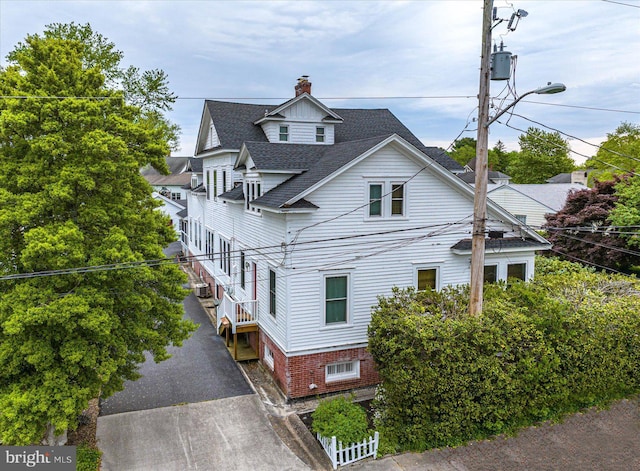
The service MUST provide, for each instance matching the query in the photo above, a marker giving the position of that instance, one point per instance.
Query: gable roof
(178, 172)
(318, 162)
(331, 115)
(234, 123)
(470, 177)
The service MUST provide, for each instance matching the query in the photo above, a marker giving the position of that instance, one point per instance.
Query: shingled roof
(234, 126)
(317, 162)
(496, 245)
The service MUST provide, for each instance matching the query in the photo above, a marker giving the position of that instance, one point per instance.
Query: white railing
(238, 312)
(341, 455)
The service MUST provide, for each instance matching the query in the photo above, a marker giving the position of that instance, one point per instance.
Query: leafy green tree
(71, 196)
(625, 215)
(619, 154)
(464, 150)
(542, 155)
(148, 89)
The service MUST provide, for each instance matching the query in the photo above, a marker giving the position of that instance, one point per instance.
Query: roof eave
(505, 250)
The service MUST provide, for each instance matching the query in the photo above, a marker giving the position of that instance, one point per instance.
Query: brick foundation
(295, 374)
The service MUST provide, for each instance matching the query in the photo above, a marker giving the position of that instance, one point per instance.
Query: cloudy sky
(420, 59)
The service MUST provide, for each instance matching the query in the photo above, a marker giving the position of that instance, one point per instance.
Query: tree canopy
(542, 155)
(582, 230)
(71, 196)
(619, 154)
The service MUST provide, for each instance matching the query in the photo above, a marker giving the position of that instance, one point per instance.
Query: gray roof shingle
(234, 126)
(322, 162)
(498, 244)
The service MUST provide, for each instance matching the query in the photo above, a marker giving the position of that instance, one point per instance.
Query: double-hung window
(272, 292)
(375, 199)
(319, 134)
(385, 199)
(253, 190)
(397, 199)
(283, 135)
(336, 299)
(225, 256)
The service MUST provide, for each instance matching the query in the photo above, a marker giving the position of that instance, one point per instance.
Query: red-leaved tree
(581, 231)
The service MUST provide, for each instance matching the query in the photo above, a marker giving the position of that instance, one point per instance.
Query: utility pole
(482, 153)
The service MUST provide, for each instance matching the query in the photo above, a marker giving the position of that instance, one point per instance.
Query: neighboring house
(494, 177)
(304, 214)
(530, 202)
(172, 189)
(577, 176)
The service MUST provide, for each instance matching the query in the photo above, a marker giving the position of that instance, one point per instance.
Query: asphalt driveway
(200, 370)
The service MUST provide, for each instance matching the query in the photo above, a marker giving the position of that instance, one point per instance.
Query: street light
(548, 89)
(482, 153)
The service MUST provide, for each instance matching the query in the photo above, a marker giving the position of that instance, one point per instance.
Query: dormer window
(284, 133)
(319, 134)
(252, 191)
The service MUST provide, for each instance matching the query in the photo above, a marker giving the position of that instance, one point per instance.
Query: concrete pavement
(227, 434)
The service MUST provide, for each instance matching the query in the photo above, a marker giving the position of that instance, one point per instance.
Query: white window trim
(386, 206)
(354, 374)
(272, 315)
(438, 270)
(286, 133)
(323, 287)
(517, 262)
(268, 357)
(253, 190)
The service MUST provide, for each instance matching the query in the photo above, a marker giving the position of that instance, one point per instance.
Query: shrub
(87, 458)
(341, 418)
(568, 340)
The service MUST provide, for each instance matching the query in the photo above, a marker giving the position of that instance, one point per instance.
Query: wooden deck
(244, 351)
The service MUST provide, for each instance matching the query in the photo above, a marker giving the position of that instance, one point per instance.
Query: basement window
(343, 370)
(268, 357)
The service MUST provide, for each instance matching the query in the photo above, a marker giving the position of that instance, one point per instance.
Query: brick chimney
(303, 85)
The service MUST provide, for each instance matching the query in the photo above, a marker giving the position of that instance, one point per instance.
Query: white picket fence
(341, 455)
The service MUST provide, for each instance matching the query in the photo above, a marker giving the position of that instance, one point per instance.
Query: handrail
(237, 312)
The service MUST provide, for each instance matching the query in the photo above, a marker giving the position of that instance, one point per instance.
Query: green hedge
(341, 418)
(569, 340)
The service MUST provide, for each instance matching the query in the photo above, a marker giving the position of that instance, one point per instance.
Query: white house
(310, 213)
(172, 189)
(530, 202)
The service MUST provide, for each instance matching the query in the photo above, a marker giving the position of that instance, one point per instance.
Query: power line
(599, 244)
(586, 262)
(577, 138)
(622, 3)
(344, 98)
(171, 260)
(592, 108)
